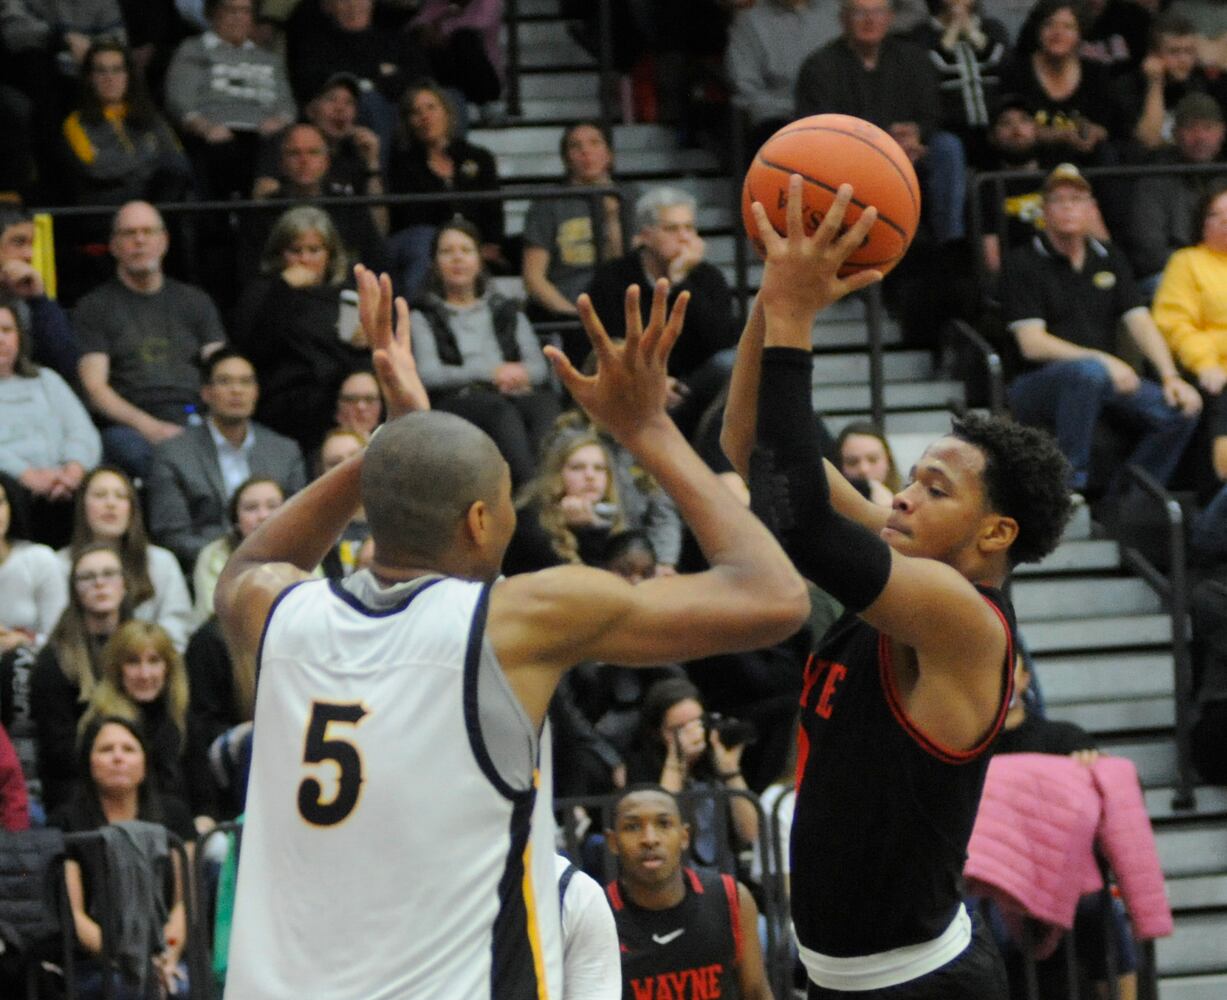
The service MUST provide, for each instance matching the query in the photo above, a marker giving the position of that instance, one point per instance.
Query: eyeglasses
(93, 576)
(135, 231)
(355, 399)
(233, 381)
(1067, 199)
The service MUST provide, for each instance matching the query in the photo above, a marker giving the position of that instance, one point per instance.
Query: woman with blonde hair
(568, 512)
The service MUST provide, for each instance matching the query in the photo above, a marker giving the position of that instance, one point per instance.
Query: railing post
(741, 258)
(512, 20)
(608, 78)
(877, 391)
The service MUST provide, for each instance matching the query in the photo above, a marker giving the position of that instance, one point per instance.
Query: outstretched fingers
(672, 329)
(595, 330)
(575, 382)
(657, 318)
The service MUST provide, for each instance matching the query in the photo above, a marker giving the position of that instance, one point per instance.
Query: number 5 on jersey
(320, 746)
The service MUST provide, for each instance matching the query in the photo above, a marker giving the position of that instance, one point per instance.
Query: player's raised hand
(391, 347)
(801, 277)
(631, 384)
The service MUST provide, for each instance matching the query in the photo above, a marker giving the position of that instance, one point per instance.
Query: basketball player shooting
(906, 692)
(387, 850)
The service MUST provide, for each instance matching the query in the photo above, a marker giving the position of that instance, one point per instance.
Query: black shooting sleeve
(790, 494)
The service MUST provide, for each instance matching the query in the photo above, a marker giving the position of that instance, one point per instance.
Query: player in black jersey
(905, 695)
(683, 935)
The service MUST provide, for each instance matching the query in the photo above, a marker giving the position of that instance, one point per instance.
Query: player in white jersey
(387, 851)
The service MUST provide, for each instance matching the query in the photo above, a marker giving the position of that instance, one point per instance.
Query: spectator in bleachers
(1164, 216)
(1190, 308)
(359, 404)
(969, 51)
(559, 235)
(143, 679)
(344, 556)
(108, 510)
(668, 245)
(33, 590)
(680, 751)
(865, 456)
(117, 146)
(1170, 73)
(569, 511)
(886, 80)
(350, 38)
(355, 153)
(305, 174)
(768, 42)
(14, 799)
(194, 475)
(461, 39)
(116, 786)
(52, 341)
(477, 355)
(47, 440)
(69, 666)
(293, 326)
(435, 159)
(1072, 98)
(225, 92)
(1064, 296)
(1012, 145)
(142, 335)
(248, 508)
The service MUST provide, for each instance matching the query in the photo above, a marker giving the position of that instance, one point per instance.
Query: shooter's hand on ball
(391, 347)
(630, 388)
(801, 277)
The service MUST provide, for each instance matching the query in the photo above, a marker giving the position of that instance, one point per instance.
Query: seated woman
(108, 510)
(144, 680)
(865, 457)
(47, 439)
(115, 787)
(293, 326)
(250, 505)
(359, 404)
(33, 587)
(434, 159)
(477, 354)
(1190, 309)
(117, 147)
(70, 664)
(569, 511)
(680, 751)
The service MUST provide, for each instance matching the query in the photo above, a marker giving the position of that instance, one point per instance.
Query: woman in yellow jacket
(1190, 307)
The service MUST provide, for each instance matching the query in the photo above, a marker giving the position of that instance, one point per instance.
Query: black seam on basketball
(861, 139)
(827, 187)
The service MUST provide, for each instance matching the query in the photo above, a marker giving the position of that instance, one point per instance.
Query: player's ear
(685, 837)
(997, 533)
(477, 521)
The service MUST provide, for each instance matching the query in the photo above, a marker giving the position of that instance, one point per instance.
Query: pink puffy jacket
(1032, 848)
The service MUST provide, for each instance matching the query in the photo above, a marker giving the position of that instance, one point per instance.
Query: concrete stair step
(1080, 525)
(1074, 597)
(922, 424)
(1212, 987)
(1194, 850)
(897, 366)
(559, 109)
(1155, 759)
(1048, 635)
(1210, 801)
(1077, 679)
(539, 8)
(1198, 946)
(1197, 892)
(1087, 555)
(546, 167)
(545, 139)
(896, 396)
(1119, 715)
(560, 84)
(837, 333)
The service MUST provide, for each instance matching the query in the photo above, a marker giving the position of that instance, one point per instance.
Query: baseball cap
(1065, 174)
(1197, 107)
(346, 80)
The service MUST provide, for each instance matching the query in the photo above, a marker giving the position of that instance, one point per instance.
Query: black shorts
(977, 974)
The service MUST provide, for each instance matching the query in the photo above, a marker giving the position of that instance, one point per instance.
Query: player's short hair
(1025, 477)
(421, 474)
(636, 789)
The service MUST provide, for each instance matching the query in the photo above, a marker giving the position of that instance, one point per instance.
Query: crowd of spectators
(203, 371)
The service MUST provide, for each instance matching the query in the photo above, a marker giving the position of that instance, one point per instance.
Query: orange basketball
(827, 151)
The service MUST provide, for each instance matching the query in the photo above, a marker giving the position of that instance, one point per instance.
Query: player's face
(585, 473)
(863, 456)
(116, 760)
(256, 505)
(108, 508)
(648, 838)
(99, 581)
(938, 514)
(144, 675)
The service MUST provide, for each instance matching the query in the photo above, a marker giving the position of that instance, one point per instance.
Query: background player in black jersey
(683, 935)
(908, 691)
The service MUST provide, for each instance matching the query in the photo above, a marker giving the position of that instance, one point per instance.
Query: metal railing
(1173, 591)
(960, 330)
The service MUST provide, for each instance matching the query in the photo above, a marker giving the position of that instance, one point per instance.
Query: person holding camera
(686, 750)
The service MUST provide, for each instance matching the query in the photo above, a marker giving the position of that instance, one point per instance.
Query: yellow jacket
(1190, 307)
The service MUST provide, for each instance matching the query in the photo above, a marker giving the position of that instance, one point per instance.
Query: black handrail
(992, 362)
(874, 314)
(605, 62)
(512, 22)
(1173, 590)
(738, 120)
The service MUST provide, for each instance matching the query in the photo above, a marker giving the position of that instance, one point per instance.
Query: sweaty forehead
(646, 803)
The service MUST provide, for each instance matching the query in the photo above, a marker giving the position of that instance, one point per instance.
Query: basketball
(827, 151)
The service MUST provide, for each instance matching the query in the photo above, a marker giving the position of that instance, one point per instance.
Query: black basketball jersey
(688, 952)
(883, 813)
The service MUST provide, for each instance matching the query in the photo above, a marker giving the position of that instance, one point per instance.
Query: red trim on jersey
(615, 896)
(730, 890)
(802, 755)
(926, 742)
(695, 884)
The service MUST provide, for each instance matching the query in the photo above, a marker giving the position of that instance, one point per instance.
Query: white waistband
(889, 968)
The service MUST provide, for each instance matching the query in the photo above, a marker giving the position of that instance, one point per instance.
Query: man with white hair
(668, 245)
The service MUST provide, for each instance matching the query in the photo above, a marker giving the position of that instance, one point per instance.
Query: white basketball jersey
(387, 853)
